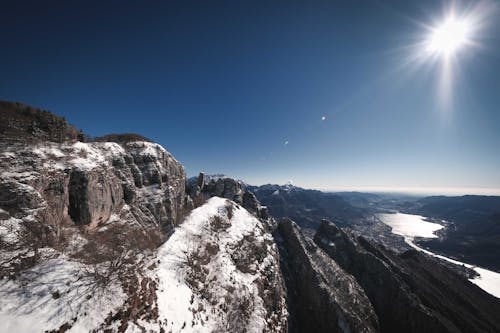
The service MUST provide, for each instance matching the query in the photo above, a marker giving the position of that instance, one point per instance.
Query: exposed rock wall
(204, 187)
(225, 187)
(410, 292)
(322, 297)
(86, 183)
(93, 196)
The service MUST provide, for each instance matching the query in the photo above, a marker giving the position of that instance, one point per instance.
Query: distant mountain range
(307, 207)
(472, 232)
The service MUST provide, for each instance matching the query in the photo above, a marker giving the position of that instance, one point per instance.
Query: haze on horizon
(334, 95)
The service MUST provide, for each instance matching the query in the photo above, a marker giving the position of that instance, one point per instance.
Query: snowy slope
(218, 272)
(54, 293)
(214, 274)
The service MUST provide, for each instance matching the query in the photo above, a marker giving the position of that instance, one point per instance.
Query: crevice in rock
(78, 207)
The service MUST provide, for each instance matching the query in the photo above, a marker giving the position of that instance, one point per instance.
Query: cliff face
(47, 189)
(85, 183)
(322, 297)
(410, 292)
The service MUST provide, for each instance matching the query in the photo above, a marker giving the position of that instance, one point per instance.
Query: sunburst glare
(448, 37)
(443, 43)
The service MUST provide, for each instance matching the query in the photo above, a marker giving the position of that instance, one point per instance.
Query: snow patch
(52, 294)
(199, 282)
(9, 229)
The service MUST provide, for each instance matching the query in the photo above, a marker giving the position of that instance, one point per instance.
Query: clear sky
(328, 94)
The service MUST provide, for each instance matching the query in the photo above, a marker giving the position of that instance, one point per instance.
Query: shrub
(122, 138)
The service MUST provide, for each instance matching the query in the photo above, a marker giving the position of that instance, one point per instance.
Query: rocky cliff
(322, 297)
(47, 189)
(410, 292)
(204, 187)
(85, 183)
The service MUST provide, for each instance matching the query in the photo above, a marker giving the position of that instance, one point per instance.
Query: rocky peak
(225, 187)
(53, 193)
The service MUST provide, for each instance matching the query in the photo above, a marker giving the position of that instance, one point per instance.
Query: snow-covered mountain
(109, 236)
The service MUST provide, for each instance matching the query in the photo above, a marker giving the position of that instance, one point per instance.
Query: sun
(445, 43)
(450, 36)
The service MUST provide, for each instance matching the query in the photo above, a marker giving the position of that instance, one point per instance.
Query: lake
(411, 226)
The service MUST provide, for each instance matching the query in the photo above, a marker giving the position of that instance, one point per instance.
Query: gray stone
(201, 181)
(263, 212)
(93, 196)
(152, 185)
(250, 202)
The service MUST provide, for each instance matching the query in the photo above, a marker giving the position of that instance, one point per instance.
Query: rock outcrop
(204, 187)
(250, 202)
(225, 187)
(322, 297)
(410, 292)
(85, 183)
(80, 223)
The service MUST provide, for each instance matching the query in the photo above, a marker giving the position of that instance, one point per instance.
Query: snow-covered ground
(211, 275)
(58, 290)
(201, 287)
(54, 293)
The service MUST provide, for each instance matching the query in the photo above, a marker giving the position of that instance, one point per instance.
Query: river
(411, 226)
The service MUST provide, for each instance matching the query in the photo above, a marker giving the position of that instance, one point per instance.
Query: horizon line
(415, 190)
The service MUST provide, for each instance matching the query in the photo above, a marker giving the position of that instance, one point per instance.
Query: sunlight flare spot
(449, 37)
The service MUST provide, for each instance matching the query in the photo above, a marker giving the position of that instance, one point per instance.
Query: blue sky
(241, 88)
